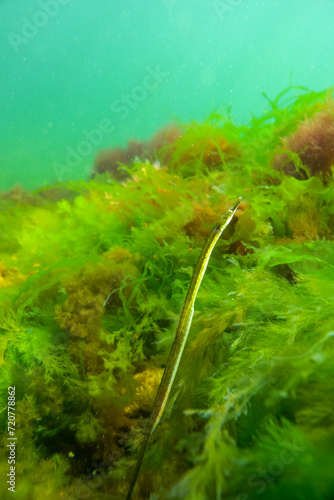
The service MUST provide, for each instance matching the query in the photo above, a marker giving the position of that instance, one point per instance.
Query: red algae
(109, 160)
(313, 142)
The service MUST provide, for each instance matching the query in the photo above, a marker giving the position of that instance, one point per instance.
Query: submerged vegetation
(92, 279)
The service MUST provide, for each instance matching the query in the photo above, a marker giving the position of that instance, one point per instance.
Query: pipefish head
(226, 218)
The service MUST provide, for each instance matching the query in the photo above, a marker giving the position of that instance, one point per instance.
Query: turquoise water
(77, 77)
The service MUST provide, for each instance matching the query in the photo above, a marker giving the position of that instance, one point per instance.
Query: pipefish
(181, 337)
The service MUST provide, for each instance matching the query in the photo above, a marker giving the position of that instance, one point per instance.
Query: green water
(66, 66)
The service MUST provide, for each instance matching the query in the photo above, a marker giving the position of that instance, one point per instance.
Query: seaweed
(92, 278)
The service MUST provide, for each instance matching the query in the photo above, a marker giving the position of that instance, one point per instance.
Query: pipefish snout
(181, 336)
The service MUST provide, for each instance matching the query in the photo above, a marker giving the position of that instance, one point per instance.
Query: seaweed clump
(187, 150)
(310, 150)
(210, 145)
(110, 160)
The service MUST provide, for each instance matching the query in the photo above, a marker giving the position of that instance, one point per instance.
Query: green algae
(92, 283)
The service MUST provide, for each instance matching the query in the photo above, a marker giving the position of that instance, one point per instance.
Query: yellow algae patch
(11, 276)
(149, 381)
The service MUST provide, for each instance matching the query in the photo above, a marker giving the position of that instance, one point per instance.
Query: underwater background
(64, 68)
(127, 131)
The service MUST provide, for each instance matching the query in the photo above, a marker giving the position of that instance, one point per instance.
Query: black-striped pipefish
(181, 337)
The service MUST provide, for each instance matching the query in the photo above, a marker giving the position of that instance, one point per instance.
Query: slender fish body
(180, 337)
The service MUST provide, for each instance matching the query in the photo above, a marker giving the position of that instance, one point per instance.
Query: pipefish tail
(181, 337)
